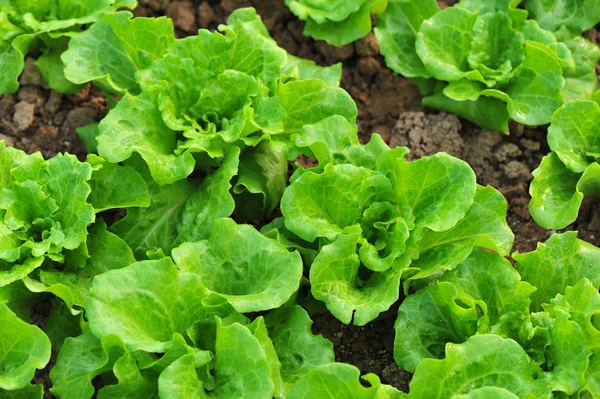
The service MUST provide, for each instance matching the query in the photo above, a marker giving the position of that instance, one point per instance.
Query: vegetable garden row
(226, 194)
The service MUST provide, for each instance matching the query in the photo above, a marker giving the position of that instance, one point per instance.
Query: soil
(38, 119)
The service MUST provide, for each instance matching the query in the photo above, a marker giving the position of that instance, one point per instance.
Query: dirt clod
(23, 116)
(183, 16)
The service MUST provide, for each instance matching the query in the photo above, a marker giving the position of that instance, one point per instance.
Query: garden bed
(38, 119)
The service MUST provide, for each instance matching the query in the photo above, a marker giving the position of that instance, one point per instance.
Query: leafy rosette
(157, 331)
(571, 171)
(338, 22)
(485, 61)
(45, 27)
(544, 310)
(375, 217)
(218, 90)
(47, 209)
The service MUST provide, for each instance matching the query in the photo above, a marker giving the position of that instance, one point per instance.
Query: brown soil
(39, 119)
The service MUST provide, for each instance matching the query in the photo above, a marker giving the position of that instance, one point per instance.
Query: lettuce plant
(529, 330)
(46, 208)
(375, 217)
(486, 62)
(185, 109)
(182, 340)
(338, 22)
(45, 27)
(571, 171)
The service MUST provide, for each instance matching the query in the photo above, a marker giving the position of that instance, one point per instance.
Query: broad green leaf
(557, 193)
(180, 380)
(482, 361)
(80, 360)
(11, 57)
(396, 32)
(560, 262)
(577, 15)
(340, 380)
(573, 134)
(297, 348)
(107, 251)
(145, 304)
(352, 28)
(484, 226)
(335, 280)
(487, 112)
(429, 319)
(53, 71)
(114, 186)
(251, 271)
(24, 349)
(180, 212)
(134, 44)
(535, 93)
(444, 42)
(237, 346)
(436, 191)
(310, 101)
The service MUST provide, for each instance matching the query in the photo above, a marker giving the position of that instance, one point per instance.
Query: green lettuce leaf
(134, 44)
(151, 300)
(24, 349)
(483, 226)
(560, 262)
(582, 81)
(298, 350)
(578, 16)
(335, 380)
(251, 271)
(337, 22)
(83, 358)
(396, 32)
(482, 361)
(180, 212)
(571, 171)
